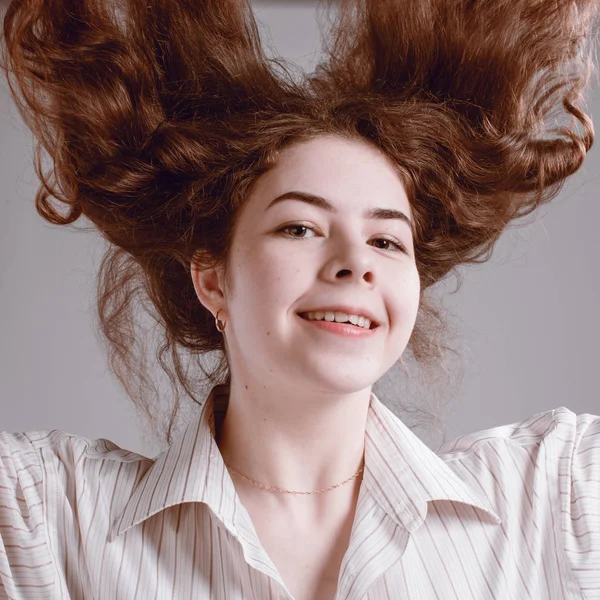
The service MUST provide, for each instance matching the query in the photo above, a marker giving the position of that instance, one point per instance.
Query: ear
(208, 286)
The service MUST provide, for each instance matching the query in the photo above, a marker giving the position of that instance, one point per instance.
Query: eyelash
(401, 247)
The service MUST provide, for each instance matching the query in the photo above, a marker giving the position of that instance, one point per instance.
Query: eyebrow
(370, 213)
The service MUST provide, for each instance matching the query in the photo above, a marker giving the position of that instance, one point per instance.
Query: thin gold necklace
(276, 489)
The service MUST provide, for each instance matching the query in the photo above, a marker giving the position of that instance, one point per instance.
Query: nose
(348, 273)
(352, 258)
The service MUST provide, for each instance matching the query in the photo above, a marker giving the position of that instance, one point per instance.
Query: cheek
(266, 277)
(408, 291)
(414, 281)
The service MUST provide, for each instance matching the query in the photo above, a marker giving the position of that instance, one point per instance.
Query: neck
(298, 444)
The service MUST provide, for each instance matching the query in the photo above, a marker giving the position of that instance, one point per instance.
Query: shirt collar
(401, 472)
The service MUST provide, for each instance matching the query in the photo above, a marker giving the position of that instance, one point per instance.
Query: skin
(299, 396)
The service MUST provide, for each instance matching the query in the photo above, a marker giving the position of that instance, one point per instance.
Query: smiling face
(293, 256)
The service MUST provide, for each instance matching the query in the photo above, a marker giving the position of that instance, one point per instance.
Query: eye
(296, 226)
(400, 247)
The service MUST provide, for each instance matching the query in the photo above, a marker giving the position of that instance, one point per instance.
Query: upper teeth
(339, 317)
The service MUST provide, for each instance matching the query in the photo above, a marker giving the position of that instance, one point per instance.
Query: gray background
(527, 318)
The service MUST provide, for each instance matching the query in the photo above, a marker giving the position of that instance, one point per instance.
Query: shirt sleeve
(26, 566)
(578, 454)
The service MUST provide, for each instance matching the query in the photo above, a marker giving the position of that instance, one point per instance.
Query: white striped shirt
(510, 513)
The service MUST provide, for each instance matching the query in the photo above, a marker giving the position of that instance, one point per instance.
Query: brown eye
(290, 227)
(399, 247)
(394, 243)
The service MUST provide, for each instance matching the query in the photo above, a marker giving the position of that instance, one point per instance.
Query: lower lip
(341, 328)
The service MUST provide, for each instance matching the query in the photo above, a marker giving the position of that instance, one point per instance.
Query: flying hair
(159, 115)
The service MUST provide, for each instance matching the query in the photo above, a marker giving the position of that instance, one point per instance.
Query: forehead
(349, 173)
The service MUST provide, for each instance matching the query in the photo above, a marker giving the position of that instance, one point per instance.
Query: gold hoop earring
(219, 324)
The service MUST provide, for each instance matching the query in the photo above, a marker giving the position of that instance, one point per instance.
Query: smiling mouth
(372, 326)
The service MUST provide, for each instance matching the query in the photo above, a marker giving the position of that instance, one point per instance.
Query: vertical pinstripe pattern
(510, 513)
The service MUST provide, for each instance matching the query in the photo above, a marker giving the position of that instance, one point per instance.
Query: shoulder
(50, 482)
(30, 458)
(60, 464)
(547, 467)
(504, 462)
(56, 441)
(553, 442)
(567, 436)
(37, 464)
(57, 453)
(525, 433)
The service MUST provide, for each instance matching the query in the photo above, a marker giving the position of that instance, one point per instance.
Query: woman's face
(324, 258)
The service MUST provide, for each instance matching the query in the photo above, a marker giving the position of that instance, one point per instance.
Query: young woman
(295, 229)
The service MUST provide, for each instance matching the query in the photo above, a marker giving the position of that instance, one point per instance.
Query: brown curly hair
(159, 115)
